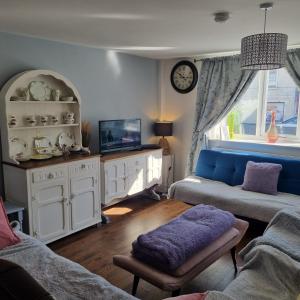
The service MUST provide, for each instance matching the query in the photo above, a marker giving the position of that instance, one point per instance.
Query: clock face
(184, 76)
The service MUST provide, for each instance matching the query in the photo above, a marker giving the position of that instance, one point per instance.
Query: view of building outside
(282, 96)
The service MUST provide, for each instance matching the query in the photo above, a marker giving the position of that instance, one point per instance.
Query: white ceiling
(151, 28)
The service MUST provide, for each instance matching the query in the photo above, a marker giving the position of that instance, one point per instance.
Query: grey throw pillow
(261, 177)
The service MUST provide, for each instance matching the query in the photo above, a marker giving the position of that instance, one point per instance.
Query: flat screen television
(116, 135)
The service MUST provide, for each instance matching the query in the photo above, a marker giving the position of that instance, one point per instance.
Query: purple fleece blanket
(170, 245)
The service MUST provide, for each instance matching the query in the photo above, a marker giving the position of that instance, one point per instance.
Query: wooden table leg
(136, 280)
(232, 251)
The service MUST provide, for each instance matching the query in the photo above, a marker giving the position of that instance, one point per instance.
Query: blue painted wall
(112, 85)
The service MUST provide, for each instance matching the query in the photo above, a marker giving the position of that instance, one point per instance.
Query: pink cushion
(7, 236)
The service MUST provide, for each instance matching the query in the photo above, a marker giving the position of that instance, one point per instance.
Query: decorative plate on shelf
(65, 140)
(40, 156)
(39, 91)
(57, 153)
(18, 147)
(22, 158)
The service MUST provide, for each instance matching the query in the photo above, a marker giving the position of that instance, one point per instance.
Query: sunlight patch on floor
(117, 211)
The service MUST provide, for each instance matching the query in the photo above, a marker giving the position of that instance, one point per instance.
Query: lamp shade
(163, 128)
(264, 51)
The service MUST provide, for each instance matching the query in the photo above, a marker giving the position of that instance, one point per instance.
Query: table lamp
(163, 129)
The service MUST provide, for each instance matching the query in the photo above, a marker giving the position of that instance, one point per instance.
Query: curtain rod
(231, 53)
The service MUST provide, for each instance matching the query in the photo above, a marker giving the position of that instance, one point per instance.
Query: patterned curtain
(293, 65)
(221, 84)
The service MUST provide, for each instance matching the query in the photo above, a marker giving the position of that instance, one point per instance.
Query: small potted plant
(86, 130)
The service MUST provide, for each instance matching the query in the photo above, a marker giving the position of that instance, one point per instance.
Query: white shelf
(44, 102)
(21, 109)
(41, 126)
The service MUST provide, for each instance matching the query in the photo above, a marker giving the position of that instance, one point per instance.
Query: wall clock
(184, 76)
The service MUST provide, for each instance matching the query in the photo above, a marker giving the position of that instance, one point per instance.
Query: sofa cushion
(229, 167)
(7, 236)
(261, 177)
(263, 207)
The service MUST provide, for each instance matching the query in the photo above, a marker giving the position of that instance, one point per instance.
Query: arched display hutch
(61, 194)
(15, 104)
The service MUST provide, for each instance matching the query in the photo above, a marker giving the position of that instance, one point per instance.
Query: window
(272, 78)
(271, 91)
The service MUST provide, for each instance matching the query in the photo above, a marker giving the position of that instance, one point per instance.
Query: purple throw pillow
(261, 177)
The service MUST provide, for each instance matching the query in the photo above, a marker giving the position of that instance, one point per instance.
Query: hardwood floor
(93, 248)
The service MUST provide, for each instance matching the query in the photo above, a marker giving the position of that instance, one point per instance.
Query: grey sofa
(271, 264)
(218, 180)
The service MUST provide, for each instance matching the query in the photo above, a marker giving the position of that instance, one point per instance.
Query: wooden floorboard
(94, 247)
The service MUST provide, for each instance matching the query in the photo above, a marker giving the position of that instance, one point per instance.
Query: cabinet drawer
(47, 174)
(83, 167)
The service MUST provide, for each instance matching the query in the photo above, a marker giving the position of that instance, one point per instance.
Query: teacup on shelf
(30, 121)
(56, 152)
(42, 150)
(12, 124)
(68, 118)
(44, 120)
(53, 120)
(69, 121)
(12, 121)
(69, 115)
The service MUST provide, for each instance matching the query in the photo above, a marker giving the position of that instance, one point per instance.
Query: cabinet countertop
(32, 164)
(123, 154)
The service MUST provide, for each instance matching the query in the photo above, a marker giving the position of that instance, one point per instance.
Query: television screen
(119, 135)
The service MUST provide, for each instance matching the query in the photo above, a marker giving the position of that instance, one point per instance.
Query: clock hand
(180, 74)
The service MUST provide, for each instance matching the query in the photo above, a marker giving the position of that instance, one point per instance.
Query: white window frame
(261, 114)
(276, 81)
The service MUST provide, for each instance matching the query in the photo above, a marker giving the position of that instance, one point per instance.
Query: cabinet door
(154, 168)
(50, 209)
(115, 185)
(84, 193)
(135, 175)
(84, 200)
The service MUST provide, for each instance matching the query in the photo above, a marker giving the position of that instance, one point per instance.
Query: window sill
(282, 148)
(263, 142)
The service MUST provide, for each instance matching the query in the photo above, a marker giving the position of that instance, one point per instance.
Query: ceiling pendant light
(264, 51)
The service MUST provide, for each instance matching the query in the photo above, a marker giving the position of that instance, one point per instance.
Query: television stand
(127, 173)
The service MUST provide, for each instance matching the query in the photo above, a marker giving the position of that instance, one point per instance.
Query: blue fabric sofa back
(229, 167)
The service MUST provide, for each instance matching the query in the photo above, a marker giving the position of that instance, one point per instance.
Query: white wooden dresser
(40, 117)
(129, 172)
(60, 196)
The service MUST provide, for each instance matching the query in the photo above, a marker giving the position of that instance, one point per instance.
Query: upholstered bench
(174, 281)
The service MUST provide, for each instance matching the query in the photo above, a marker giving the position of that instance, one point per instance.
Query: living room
(172, 124)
